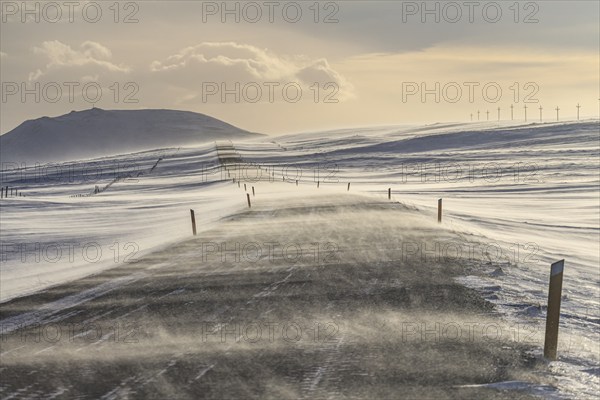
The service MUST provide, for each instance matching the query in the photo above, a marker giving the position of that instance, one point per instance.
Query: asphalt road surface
(324, 297)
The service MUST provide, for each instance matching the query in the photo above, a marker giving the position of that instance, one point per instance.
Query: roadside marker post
(553, 314)
(193, 222)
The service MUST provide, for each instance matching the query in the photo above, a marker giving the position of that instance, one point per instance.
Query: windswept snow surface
(521, 196)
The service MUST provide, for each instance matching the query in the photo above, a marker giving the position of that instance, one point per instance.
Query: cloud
(3, 54)
(91, 58)
(34, 76)
(229, 63)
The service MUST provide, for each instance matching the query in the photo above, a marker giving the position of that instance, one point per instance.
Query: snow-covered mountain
(97, 132)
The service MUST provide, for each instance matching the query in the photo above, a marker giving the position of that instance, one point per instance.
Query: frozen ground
(515, 199)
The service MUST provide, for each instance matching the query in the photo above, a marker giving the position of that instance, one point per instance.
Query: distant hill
(97, 132)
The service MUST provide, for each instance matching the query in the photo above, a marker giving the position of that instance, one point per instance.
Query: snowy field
(515, 198)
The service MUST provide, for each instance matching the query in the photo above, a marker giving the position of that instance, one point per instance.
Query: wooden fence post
(318, 182)
(440, 211)
(348, 186)
(248, 197)
(193, 222)
(253, 191)
(389, 193)
(553, 314)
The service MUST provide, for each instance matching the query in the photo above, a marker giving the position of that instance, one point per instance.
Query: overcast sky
(295, 66)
